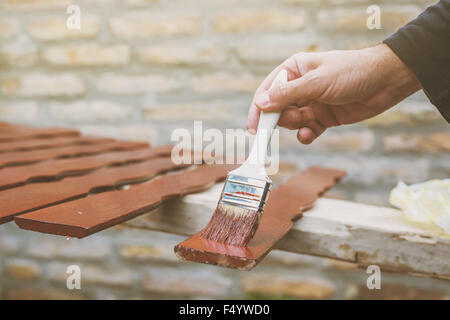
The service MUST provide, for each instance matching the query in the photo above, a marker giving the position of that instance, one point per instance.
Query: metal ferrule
(248, 193)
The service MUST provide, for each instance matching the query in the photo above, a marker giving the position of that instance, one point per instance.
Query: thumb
(295, 92)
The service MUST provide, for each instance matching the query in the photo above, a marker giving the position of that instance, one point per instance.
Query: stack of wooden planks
(56, 181)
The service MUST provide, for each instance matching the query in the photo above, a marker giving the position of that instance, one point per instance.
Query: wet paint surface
(283, 207)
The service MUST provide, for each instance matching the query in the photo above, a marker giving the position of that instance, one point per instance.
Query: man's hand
(328, 89)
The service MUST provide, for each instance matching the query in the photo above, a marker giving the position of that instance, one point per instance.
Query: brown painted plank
(24, 133)
(53, 169)
(284, 206)
(110, 208)
(10, 127)
(15, 127)
(5, 126)
(24, 157)
(33, 144)
(40, 195)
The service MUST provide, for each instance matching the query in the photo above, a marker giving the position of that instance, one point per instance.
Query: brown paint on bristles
(231, 225)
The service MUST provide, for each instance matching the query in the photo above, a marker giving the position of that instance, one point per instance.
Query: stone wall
(138, 69)
(126, 263)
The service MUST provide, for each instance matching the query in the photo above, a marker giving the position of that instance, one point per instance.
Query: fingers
(305, 135)
(310, 132)
(294, 117)
(253, 112)
(290, 118)
(304, 119)
(295, 92)
(267, 82)
(252, 119)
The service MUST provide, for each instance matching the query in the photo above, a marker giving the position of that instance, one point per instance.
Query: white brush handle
(267, 122)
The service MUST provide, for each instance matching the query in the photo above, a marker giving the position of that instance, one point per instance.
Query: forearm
(399, 81)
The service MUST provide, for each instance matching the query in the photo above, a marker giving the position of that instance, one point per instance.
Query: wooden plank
(344, 230)
(284, 207)
(109, 208)
(54, 169)
(9, 127)
(5, 126)
(34, 144)
(25, 157)
(24, 133)
(40, 195)
(370, 235)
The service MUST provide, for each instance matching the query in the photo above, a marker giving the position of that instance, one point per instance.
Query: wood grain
(25, 157)
(58, 168)
(82, 217)
(39, 143)
(23, 133)
(39, 195)
(283, 208)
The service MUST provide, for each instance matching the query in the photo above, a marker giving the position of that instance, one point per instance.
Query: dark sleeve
(424, 46)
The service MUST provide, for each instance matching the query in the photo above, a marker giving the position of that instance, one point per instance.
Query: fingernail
(251, 131)
(263, 101)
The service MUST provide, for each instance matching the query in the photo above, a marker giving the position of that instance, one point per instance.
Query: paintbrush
(246, 189)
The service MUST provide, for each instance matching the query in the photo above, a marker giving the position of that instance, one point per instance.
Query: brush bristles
(231, 225)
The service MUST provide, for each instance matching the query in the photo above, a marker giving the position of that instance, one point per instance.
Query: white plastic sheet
(427, 202)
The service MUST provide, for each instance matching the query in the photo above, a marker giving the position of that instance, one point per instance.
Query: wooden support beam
(336, 229)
